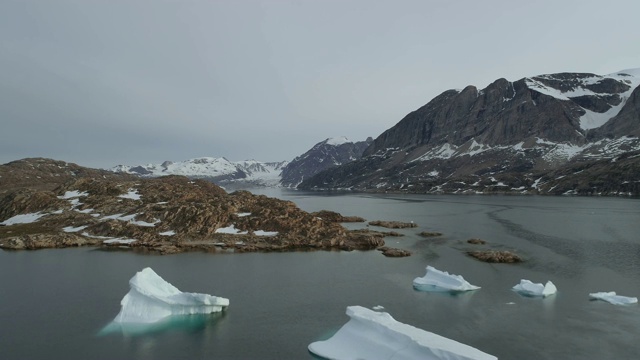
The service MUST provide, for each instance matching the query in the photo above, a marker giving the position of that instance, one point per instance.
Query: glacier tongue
(376, 335)
(152, 299)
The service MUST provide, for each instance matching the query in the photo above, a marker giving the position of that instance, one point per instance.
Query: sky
(102, 83)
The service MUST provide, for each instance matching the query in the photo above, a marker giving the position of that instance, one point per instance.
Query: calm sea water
(55, 303)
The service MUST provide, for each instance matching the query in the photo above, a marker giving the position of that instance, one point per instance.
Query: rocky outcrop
(429, 234)
(167, 215)
(333, 216)
(393, 224)
(492, 256)
(394, 252)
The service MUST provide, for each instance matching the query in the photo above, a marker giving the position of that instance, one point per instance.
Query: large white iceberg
(613, 298)
(376, 335)
(152, 299)
(529, 288)
(442, 281)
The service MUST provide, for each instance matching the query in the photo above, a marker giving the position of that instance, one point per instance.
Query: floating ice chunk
(23, 219)
(612, 298)
(529, 288)
(378, 307)
(376, 335)
(152, 299)
(436, 280)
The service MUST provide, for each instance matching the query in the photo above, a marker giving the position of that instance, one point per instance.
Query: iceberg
(436, 280)
(528, 288)
(376, 335)
(612, 298)
(152, 299)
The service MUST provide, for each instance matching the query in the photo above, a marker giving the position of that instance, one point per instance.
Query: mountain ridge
(516, 130)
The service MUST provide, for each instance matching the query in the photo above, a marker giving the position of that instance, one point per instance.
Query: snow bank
(529, 288)
(376, 335)
(23, 219)
(612, 298)
(131, 194)
(152, 299)
(436, 280)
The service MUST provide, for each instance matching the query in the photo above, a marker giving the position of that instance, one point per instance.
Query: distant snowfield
(253, 171)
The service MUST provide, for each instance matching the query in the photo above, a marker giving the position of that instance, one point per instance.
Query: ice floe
(376, 335)
(613, 298)
(529, 288)
(436, 280)
(152, 299)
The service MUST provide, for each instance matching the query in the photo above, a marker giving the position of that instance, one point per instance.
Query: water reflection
(185, 323)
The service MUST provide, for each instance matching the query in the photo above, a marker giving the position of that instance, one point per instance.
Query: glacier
(613, 298)
(436, 280)
(529, 288)
(152, 299)
(376, 335)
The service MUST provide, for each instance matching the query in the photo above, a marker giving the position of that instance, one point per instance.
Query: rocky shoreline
(166, 215)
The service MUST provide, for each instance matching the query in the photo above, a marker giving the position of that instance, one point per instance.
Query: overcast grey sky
(110, 82)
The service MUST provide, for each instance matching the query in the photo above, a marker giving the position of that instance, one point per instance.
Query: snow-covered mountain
(218, 170)
(556, 133)
(323, 155)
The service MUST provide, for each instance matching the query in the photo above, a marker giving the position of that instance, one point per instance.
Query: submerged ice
(529, 288)
(152, 299)
(376, 335)
(436, 280)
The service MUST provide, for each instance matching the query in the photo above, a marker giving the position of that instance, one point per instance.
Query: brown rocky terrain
(493, 256)
(79, 206)
(393, 224)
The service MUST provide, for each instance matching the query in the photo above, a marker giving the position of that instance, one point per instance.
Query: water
(54, 303)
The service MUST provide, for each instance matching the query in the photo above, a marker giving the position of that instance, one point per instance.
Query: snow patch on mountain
(336, 141)
(590, 119)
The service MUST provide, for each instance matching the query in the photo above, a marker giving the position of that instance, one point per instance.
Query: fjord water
(55, 303)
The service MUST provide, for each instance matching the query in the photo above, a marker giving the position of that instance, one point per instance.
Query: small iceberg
(436, 280)
(376, 335)
(612, 298)
(152, 299)
(528, 288)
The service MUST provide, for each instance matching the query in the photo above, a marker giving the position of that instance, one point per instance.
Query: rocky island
(48, 204)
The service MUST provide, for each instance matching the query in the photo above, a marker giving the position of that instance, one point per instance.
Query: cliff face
(324, 155)
(504, 136)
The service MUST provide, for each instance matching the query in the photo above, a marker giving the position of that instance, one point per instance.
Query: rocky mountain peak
(530, 125)
(323, 155)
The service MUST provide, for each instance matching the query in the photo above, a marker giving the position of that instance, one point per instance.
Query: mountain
(518, 137)
(217, 170)
(323, 155)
